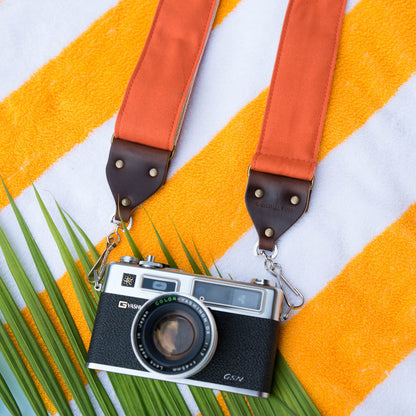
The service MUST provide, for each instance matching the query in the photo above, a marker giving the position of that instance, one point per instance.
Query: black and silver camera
(162, 323)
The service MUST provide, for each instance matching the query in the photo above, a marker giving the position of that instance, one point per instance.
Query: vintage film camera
(162, 323)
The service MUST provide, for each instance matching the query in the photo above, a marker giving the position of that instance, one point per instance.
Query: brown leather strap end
(275, 203)
(135, 172)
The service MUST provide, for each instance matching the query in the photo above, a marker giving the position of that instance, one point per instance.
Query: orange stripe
(348, 338)
(41, 111)
(31, 127)
(371, 65)
(218, 172)
(221, 193)
(74, 93)
(32, 121)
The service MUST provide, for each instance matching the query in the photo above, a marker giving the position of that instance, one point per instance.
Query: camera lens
(174, 334)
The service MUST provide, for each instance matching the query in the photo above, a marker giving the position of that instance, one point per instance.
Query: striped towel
(64, 67)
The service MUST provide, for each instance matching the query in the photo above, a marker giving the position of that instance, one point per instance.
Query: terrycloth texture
(63, 72)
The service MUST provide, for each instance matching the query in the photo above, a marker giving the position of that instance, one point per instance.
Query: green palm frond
(7, 398)
(93, 251)
(201, 260)
(46, 329)
(163, 246)
(62, 312)
(86, 301)
(15, 362)
(132, 244)
(196, 269)
(136, 395)
(124, 386)
(32, 351)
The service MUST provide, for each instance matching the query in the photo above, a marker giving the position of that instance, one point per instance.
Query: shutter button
(129, 259)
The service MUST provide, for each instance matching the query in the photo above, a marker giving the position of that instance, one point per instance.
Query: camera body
(156, 322)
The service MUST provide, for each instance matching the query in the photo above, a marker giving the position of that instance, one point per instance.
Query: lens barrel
(174, 334)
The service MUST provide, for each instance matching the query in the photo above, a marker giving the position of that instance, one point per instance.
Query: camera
(162, 323)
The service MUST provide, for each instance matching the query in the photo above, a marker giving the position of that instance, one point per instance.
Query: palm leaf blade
(94, 252)
(121, 384)
(132, 244)
(163, 246)
(86, 301)
(88, 306)
(188, 255)
(236, 404)
(83, 256)
(174, 401)
(204, 265)
(151, 400)
(62, 311)
(7, 397)
(32, 351)
(287, 388)
(86, 262)
(47, 330)
(19, 370)
(207, 402)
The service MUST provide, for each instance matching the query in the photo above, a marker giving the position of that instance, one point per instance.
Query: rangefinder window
(160, 285)
(228, 295)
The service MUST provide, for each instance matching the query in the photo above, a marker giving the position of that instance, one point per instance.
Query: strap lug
(134, 173)
(275, 203)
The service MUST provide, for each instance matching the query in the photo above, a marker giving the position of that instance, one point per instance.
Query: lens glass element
(175, 334)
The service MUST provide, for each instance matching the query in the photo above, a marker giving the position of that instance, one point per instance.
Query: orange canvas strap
(283, 166)
(152, 112)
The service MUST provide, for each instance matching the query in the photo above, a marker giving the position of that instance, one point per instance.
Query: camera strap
(281, 174)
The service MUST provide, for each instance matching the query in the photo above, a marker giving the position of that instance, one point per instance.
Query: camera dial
(174, 334)
(150, 263)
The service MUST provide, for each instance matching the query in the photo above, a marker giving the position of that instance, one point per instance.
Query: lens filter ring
(174, 334)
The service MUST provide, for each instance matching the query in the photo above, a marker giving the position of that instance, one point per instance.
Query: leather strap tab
(153, 109)
(157, 95)
(286, 156)
(299, 90)
(134, 173)
(275, 203)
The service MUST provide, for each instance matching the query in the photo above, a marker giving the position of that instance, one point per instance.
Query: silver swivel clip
(275, 269)
(96, 274)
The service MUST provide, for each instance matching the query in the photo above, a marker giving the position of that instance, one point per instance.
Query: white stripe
(33, 32)
(240, 68)
(361, 187)
(350, 5)
(396, 395)
(22, 22)
(237, 66)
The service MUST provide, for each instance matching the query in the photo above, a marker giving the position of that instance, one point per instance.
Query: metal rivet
(258, 193)
(125, 202)
(269, 232)
(153, 172)
(119, 164)
(294, 200)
